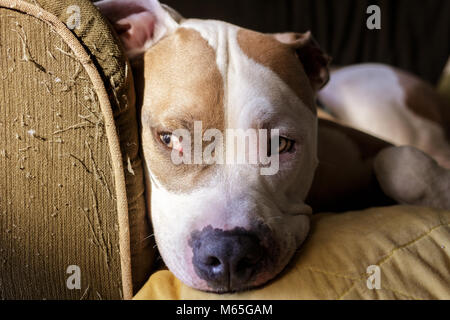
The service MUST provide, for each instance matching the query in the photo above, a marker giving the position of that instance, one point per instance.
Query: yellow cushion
(410, 245)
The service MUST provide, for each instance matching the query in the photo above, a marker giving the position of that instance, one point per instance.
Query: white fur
(370, 98)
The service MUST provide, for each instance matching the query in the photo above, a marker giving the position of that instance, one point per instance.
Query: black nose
(227, 260)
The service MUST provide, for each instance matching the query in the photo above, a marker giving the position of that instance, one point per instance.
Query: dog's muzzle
(227, 260)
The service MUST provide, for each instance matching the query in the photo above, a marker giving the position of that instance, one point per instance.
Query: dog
(225, 228)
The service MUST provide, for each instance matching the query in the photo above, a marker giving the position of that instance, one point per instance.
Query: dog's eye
(166, 138)
(285, 145)
(171, 141)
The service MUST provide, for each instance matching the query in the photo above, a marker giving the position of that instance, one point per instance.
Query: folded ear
(139, 23)
(314, 60)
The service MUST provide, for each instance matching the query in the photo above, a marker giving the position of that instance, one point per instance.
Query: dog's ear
(139, 23)
(314, 60)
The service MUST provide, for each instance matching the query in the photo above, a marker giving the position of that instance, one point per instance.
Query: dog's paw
(410, 176)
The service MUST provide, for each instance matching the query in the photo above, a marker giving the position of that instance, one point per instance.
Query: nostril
(213, 262)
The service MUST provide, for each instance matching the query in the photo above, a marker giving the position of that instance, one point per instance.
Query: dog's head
(222, 224)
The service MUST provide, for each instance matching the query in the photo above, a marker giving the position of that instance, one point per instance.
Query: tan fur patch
(281, 59)
(182, 84)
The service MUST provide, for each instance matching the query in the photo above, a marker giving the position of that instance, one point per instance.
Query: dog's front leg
(410, 176)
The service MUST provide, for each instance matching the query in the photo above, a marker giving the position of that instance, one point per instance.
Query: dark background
(414, 35)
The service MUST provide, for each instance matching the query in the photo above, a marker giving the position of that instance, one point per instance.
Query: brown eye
(285, 145)
(166, 138)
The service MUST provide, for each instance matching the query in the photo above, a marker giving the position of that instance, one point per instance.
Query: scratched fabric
(57, 194)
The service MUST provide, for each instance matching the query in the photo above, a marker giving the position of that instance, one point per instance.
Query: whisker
(148, 237)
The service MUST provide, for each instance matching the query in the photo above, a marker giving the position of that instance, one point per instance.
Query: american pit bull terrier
(228, 227)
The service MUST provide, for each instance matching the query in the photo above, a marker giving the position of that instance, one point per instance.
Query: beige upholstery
(69, 192)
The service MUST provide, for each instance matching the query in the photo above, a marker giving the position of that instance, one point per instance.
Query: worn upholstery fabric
(411, 246)
(62, 171)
